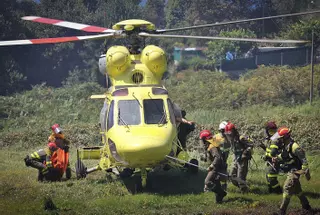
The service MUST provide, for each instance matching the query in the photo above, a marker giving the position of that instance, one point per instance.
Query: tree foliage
(24, 66)
(218, 49)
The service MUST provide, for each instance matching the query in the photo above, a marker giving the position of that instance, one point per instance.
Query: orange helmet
(282, 132)
(229, 128)
(205, 134)
(56, 129)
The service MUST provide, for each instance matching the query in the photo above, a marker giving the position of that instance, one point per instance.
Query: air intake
(137, 78)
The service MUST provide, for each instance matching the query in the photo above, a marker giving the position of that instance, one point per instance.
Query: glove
(66, 149)
(307, 174)
(27, 160)
(49, 164)
(210, 168)
(45, 171)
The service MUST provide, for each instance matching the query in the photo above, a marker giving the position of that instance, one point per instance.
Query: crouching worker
(212, 181)
(53, 160)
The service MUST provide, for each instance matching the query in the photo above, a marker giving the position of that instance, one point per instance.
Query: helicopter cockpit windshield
(154, 111)
(129, 112)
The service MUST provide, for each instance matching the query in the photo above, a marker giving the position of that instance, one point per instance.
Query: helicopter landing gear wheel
(81, 169)
(193, 169)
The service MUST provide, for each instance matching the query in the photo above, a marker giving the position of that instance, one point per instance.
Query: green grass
(171, 192)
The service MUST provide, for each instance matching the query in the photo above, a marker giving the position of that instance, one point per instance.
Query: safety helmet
(56, 129)
(282, 132)
(52, 145)
(271, 125)
(229, 128)
(271, 128)
(205, 134)
(222, 125)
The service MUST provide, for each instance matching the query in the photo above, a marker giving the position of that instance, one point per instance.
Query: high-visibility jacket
(293, 157)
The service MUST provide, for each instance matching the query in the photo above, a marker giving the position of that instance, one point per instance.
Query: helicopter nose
(144, 151)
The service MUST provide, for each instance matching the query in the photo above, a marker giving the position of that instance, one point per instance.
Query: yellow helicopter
(139, 122)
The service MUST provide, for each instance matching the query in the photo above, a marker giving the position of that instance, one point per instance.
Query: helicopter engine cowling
(117, 60)
(155, 59)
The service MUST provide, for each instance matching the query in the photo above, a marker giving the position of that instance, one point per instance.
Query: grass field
(171, 192)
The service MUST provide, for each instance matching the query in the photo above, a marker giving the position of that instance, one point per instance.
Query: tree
(218, 49)
(153, 11)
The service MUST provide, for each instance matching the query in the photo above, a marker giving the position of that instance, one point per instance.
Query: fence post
(312, 71)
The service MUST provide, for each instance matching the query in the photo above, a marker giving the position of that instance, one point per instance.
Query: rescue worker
(212, 181)
(242, 148)
(184, 130)
(294, 164)
(43, 158)
(224, 147)
(272, 149)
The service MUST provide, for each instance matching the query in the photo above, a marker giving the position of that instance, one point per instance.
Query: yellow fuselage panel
(142, 145)
(139, 69)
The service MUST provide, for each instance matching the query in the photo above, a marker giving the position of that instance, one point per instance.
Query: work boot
(284, 206)
(307, 207)
(68, 173)
(206, 189)
(219, 197)
(282, 212)
(40, 176)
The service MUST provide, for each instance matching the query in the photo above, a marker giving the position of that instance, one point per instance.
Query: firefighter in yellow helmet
(273, 149)
(45, 160)
(294, 163)
(212, 181)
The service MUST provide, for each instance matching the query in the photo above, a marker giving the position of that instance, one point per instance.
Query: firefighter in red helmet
(47, 161)
(294, 163)
(242, 147)
(212, 181)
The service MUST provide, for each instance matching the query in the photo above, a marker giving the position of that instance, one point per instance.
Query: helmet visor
(275, 137)
(57, 130)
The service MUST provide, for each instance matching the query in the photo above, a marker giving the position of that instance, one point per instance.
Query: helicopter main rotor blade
(53, 40)
(223, 38)
(235, 22)
(66, 24)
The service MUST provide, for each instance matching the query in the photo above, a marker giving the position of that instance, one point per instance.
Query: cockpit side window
(129, 112)
(110, 116)
(154, 111)
(103, 116)
(171, 112)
